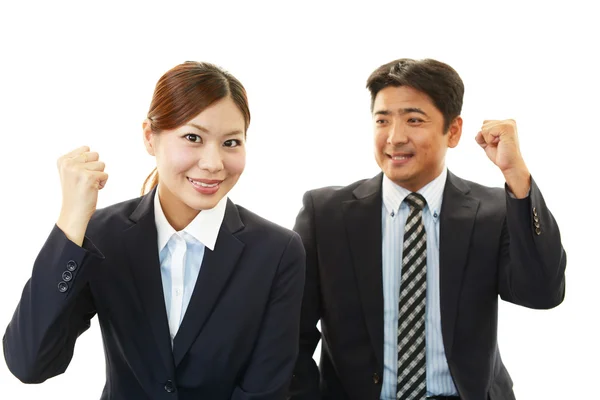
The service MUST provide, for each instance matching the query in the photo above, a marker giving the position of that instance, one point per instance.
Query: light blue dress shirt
(194, 253)
(394, 215)
(191, 242)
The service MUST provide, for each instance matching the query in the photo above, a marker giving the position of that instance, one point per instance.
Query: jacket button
(67, 276)
(63, 287)
(376, 378)
(169, 387)
(71, 265)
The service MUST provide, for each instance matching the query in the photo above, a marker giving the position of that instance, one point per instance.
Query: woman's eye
(193, 138)
(232, 143)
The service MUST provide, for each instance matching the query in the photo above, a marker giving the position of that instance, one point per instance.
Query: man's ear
(454, 132)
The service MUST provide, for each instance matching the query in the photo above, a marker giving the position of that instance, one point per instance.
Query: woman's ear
(148, 137)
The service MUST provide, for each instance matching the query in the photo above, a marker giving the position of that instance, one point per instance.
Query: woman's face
(199, 162)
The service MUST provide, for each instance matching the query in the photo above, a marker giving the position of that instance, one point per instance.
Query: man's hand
(501, 144)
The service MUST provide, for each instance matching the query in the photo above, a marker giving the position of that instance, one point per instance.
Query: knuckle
(64, 166)
(87, 177)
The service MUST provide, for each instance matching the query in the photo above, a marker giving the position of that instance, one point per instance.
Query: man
(404, 269)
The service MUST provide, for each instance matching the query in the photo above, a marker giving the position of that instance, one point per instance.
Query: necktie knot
(415, 200)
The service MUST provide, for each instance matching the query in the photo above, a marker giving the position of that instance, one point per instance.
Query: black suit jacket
(490, 245)
(239, 336)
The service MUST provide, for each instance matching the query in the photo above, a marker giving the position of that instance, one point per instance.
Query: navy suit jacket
(238, 339)
(491, 246)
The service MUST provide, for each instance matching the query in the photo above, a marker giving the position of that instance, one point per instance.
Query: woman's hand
(82, 176)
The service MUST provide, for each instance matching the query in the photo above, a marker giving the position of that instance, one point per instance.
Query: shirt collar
(394, 195)
(204, 227)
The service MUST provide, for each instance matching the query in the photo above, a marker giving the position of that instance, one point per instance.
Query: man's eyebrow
(402, 111)
(382, 112)
(412, 110)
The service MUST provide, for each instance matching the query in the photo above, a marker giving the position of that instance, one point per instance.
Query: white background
(75, 73)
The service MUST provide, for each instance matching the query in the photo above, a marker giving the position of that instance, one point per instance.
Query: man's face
(410, 142)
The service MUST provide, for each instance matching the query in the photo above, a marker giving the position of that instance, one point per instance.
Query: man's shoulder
(337, 193)
(474, 188)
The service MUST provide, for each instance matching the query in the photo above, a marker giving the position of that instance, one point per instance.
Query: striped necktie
(412, 384)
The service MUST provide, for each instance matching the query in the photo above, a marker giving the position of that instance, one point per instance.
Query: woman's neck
(178, 214)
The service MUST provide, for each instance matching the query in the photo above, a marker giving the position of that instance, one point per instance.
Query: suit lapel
(216, 269)
(456, 225)
(362, 218)
(142, 250)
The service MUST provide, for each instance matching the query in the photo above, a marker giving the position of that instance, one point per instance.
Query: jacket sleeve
(305, 381)
(268, 374)
(55, 308)
(532, 258)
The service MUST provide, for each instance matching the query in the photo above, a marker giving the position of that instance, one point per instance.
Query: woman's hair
(184, 92)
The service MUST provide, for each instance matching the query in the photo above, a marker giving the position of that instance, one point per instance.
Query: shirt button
(71, 265)
(169, 387)
(177, 292)
(63, 287)
(376, 378)
(67, 276)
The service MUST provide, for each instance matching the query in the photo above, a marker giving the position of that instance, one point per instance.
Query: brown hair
(437, 80)
(184, 92)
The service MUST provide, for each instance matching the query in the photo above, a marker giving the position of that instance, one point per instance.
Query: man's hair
(437, 80)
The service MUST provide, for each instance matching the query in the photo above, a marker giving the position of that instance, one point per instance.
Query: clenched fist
(82, 176)
(501, 144)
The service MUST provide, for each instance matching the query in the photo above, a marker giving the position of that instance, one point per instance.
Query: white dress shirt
(181, 255)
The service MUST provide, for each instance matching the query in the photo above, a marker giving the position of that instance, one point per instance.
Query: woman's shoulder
(254, 221)
(115, 215)
(264, 237)
(260, 227)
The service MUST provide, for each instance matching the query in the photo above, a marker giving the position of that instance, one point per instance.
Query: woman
(197, 298)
